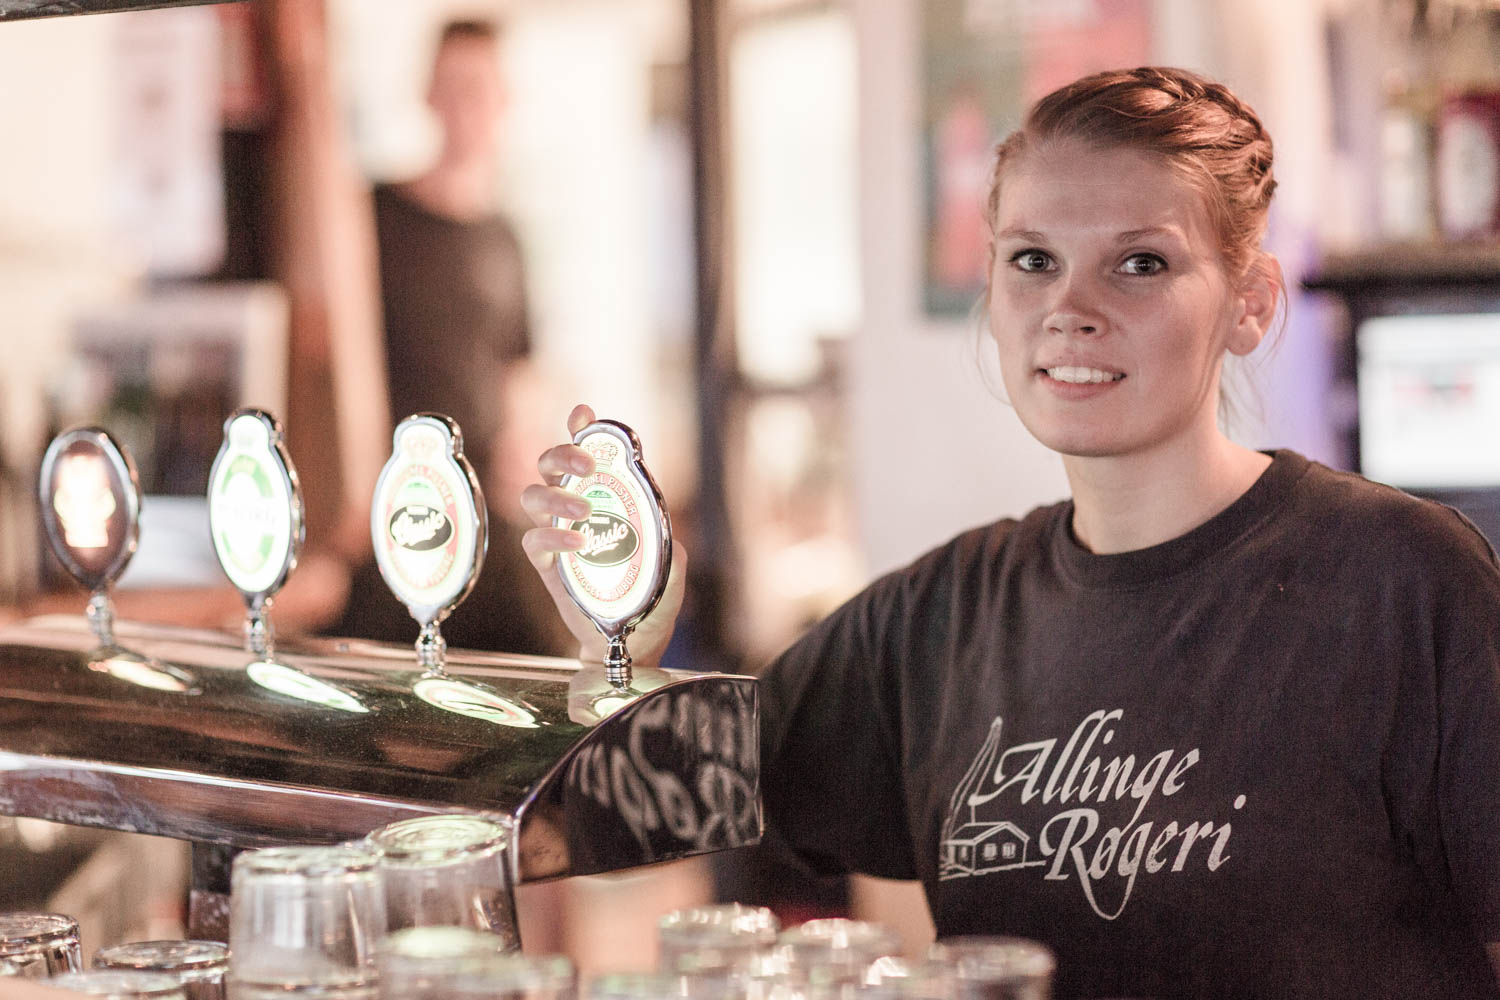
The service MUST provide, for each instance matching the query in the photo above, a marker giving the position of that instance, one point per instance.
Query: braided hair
(1198, 126)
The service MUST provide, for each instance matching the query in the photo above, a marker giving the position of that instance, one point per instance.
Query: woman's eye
(1031, 260)
(1143, 263)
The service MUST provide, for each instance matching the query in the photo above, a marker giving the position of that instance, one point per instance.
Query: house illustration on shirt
(974, 839)
(978, 848)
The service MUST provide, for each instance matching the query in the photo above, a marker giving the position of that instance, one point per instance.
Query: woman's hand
(545, 500)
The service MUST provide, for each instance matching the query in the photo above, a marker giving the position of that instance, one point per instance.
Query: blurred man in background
(457, 340)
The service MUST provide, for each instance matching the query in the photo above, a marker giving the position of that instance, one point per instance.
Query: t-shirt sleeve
(831, 776)
(1469, 748)
(1448, 811)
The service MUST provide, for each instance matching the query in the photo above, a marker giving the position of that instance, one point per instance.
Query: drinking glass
(835, 951)
(898, 979)
(119, 984)
(37, 945)
(996, 968)
(447, 871)
(305, 921)
(714, 940)
(652, 986)
(200, 966)
(460, 963)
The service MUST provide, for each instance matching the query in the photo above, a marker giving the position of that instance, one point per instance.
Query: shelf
(1408, 267)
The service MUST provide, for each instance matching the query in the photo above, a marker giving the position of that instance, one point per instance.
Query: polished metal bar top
(16, 10)
(183, 733)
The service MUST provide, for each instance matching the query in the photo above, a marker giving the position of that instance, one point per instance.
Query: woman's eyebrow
(1030, 235)
(1131, 235)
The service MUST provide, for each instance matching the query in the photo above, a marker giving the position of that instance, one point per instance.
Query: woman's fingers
(564, 459)
(568, 459)
(581, 417)
(543, 503)
(542, 544)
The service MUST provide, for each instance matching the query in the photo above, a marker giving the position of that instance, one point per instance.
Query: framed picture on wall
(983, 63)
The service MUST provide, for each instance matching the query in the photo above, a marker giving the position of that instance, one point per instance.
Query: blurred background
(751, 229)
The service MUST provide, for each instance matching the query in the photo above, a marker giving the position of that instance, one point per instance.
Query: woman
(1226, 723)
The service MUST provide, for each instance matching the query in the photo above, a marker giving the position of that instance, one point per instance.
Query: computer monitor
(1429, 408)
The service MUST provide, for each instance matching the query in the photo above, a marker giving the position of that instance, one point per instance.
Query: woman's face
(1109, 302)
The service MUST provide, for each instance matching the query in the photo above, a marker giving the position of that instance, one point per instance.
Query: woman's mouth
(1080, 375)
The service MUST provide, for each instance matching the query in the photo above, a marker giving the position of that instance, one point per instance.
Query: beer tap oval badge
(91, 505)
(621, 571)
(255, 505)
(428, 520)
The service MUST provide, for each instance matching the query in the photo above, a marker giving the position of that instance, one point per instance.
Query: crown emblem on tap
(604, 452)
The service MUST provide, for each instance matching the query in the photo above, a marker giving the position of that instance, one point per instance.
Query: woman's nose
(1072, 310)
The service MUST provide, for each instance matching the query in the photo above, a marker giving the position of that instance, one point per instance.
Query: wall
(55, 252)
(935, 450)
(1278, 64)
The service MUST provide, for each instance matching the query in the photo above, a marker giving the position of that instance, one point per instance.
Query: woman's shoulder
(976, 550)
(935, 583)
(1388, 521)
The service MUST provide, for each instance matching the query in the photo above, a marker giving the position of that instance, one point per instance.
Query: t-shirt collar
(1141, 566)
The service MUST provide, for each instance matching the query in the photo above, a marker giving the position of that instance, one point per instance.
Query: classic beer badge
(91, 507)
(428, 522)
(255, 505)
(621, 572)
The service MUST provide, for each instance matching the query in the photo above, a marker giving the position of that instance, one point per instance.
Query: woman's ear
(1257, 297)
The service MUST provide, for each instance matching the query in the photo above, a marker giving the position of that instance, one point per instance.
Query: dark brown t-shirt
(1258, 760)
(454, 297)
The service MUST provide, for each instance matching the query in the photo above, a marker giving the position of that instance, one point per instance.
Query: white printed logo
(980, 835)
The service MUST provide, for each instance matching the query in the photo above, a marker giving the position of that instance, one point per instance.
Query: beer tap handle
(429, 526)
(91, 511)
(621, 572)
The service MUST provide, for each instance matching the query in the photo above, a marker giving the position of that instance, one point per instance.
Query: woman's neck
(1125, 503)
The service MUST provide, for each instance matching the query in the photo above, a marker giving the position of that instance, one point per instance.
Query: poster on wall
(983, 62)
(167, 194)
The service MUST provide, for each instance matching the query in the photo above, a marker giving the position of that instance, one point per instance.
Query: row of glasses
(734, 952)
(309, 920)
(320, 922)
(459, 963)
(330, 921)
(415, 963)
(45, 946)
(312, 919)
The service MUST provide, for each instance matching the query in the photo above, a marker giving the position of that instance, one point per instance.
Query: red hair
(1198, 126)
